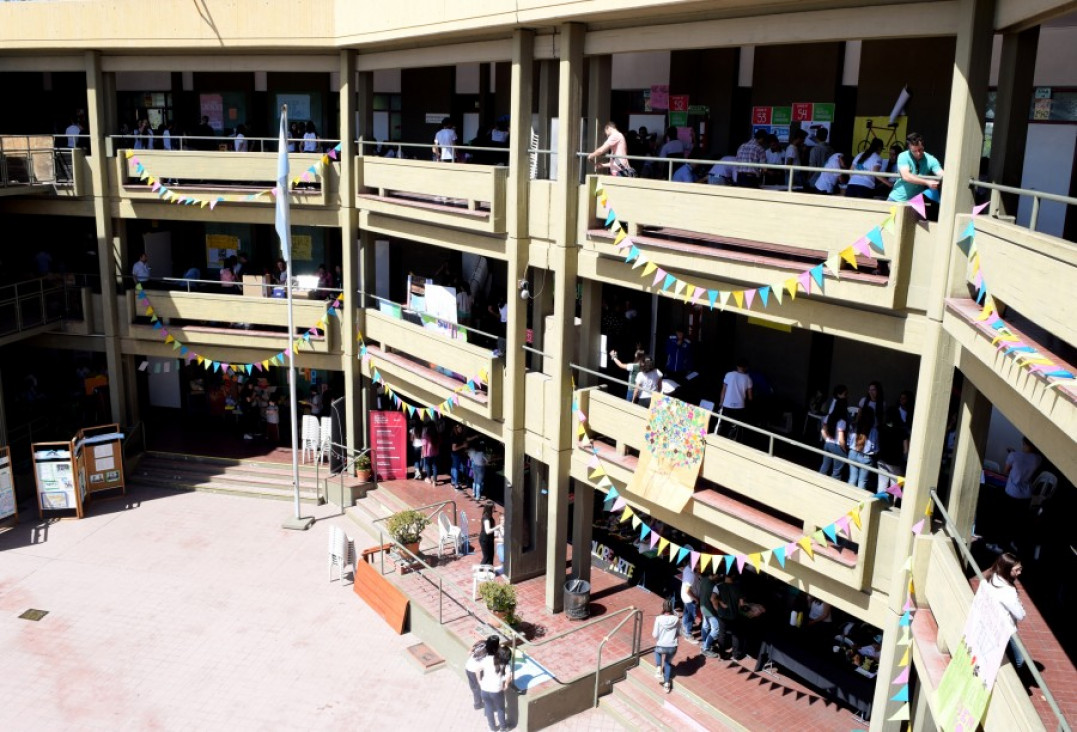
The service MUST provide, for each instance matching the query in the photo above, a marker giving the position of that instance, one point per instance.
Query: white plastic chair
(341, 553)
(1043, 488)
(447, 533)
(311, 437)
(326, 442)
(481, 573)
(465, 533)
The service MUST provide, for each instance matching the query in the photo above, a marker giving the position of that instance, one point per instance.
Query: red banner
(678, 103)
(389, 445)
(760, 115)
(802, 112)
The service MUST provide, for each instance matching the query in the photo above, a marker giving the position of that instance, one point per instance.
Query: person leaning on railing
(617, 147)
(913, 165)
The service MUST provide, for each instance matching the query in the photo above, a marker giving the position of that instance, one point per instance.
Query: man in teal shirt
(913, 165)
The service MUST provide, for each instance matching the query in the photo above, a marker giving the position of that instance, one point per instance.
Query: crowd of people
(168, 135)
(869, 434)
(838, 173)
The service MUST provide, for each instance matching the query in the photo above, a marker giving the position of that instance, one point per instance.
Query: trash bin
(577, 599)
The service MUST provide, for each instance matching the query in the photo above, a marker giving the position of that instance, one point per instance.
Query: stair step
(627, 714)
(272, 493)
(236, 462)
(239, 480)
(683, 709)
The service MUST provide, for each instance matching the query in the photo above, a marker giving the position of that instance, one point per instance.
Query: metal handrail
(997, 189)
(406, 309)
(347, 469)
(764, 166)
(772, 436)
(637, 631)
(955, 536)
(424, 145)
(236, 285)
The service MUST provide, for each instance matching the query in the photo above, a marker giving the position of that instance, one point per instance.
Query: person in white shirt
(240, 144)
(1001, 582)
(493, 680)
(690, 598)
(445, 142)
(685, 174)
(828, 182)
(648, 381)
(673, 147)
(723, 175)
(736, 393)
(474, 664)
(665, 632)
(141, 270)
(310, 138)
(166, 137)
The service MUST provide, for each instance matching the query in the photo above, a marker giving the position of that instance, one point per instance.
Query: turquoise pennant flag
(764, 294)
(817, 275)
(831, 533)
(669, 280)
(728, 562)
(681, 554)
(712, 295)
(644, 529)
(779, 554)
(611, 218)
(902, 695)
(906, 619)
(633, 253)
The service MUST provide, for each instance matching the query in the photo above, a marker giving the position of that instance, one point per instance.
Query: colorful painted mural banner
(672, 455)
(189, 355)
(813, 278)
(1011, 344)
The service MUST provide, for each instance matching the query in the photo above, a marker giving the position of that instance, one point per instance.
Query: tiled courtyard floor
(196, 611)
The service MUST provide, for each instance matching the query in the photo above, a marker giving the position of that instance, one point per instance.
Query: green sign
(678, 119)
(698, 109)
(781, 116)
(822, 112)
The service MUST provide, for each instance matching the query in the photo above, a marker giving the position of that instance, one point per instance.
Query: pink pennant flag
(749, 297)
(593, 462)
(843, 524)
(917, 203)
(659, 275)
(693, 559)
(618, 504)
(333, 154)
(698, 294)
(918, 527)
(741, 559)
(976, 211)
(654, 538)
(902, 678)
(894, 490)
(861, 246)
(790, 549)
(804, 278)
(908, 604)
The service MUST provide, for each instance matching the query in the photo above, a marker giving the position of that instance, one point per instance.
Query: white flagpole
(284, 231)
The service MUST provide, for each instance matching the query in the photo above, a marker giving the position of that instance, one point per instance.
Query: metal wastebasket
(577, 599)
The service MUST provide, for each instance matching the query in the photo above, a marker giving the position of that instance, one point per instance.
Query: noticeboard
(388, 432)
(56, 477)
(8, 506)
(99, 456)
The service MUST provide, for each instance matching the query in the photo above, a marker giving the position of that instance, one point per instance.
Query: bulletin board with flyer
(9, 511)
(100, 458)
(56, 478)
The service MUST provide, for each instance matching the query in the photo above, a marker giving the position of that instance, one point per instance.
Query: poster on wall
(672, 455)
(966, 684)
(212, 106)
(7, 485)
(440, 312)
(101, 457)
(388, 431)
(54, 473)
(302, 248)
(881, 128)
(659, 98)
(219, 247)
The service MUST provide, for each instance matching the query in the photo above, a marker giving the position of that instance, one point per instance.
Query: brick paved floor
(197, 611)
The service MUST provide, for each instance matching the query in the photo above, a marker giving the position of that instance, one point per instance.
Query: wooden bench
(379, 593)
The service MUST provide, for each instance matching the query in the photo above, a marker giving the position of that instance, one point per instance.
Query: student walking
(666, 629)
(493, 680)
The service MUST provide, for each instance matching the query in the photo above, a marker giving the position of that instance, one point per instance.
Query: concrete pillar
(365, 283)
(519, 565)
(564, 204)
(547, 110)
(97, 106)
(973, 423)
(599, 80)
(1010, 132)
(590, 330)
(348, 218)
(364, 106)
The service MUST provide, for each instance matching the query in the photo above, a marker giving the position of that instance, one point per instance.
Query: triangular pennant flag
(875, 238)
(669, 280)
(917, 204)
(738, 295)
(651, 267)
(902, 695)
(831, 533)
(704, 560)
(976, 211)
(833, 263)
(698, 294)
(621, 235)
(674, 550)
(818, 537)
(682, 553)
(918, 527)
(791, 287)
(655, 538)
(764, 294)
(663, 542)
(728, 562)
(860, 246)
(636, 522)
(749, 297)
(901, 715)
(904, 658)
(741, 559)
(888, 225)
(756, 559)
(659, 275)
(855, 516)
(693, 558)
(643, 531)
(901, 678)
(804, 280)
(906, 619)
(779, 554)
(712, 295)
(849, 255)
(817, 275)
(805, 544)
(842, 524)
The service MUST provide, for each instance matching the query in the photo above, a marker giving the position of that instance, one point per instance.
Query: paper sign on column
(105, 463)
(102, 452)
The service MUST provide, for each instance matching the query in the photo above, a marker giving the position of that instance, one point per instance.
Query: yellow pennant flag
(855, 516)
(704, 560)
(265, 364)
(849, 255)
(620, 237)
(989, 308)
(805, 544)
(791, 287)
(650, 268)
(738, 295)
(904, 658)
(689, 292)
(599, 190)
(755, 559)
(663, 542)
(129, 153)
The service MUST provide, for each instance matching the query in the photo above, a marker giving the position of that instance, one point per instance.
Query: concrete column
(365, 283)
(973, 423)
(1015, 77)
(97, 106)
(599, 80)
(519, 565)
(564, 204)
(964, 141)
(348, 218)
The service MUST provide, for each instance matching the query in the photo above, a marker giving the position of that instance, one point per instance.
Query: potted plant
(500, 599)
(362, 468)
(406, 528)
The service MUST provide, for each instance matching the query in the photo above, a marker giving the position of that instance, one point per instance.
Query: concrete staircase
(175, 471)
(640, 703)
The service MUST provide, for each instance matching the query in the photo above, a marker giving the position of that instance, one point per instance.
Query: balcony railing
(31, 304)
(33, 162)
(457, 194)
(785, 488)
(749, 235)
